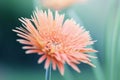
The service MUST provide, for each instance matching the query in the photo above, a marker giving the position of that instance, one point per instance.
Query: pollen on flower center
(50, 48)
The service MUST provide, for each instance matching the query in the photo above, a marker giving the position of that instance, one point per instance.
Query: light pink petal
(67, 29)
(28, 47)
(47, 62)
(65, 58)
(22, 41)
(31, 29)
(29, 25)
(32, 51)
(87, 50)
(61, 68)
(19, 32)
(50, 17)
(58, 57)
(23, 30)
(92, 65)
(91, 56)
(87, 62)
(59, 19)
(74, 67)
(54, 64)
(74, 60)
(41, 59)
(23, 36)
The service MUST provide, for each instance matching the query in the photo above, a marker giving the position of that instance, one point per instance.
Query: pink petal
(28, 47)
(42, 59)
(58, 57)
(64, 58)
(88, 50)
(23, 36)
(32, 51)
(50, 17)
(47, 63)
(61, 68)
(87, 62)
(74, 67)
(91, 56)
(54, 64)
(22, 41)
(74, 60)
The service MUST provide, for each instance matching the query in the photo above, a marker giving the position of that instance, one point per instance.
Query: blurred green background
(100, 17)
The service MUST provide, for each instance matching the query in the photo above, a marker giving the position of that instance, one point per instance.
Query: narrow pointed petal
(32, 51)
(42, 59)
(74, 67)
(54, 64)
(47, 63)
(61, 68)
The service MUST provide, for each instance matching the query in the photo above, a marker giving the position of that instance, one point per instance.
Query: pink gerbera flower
(57, 41)
(60, 4)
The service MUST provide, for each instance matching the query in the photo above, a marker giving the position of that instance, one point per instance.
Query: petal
(42, 59)
(50, 16)
(23, 36)
(64, 58)
(74, 67)
(32, 51)
(74, 60)
(61, 68)
(20, 32)
(53, 64)
(58, 57)
(91, 56)
(28, 47)
(88, 62)
(87, 50)
(29, 25)
(47, 63)
(22, 41)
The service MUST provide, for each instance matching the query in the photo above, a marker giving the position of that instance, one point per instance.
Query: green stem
(48, 73)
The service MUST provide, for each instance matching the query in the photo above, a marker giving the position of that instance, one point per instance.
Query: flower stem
(48, 73)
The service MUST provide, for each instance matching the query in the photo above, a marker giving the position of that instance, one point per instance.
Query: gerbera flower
(60, 4)
(57, 41)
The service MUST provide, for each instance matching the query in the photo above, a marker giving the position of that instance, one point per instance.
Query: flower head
(60, 4)
(57, 41)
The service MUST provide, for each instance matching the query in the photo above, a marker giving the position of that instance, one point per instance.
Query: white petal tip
(38, 62)
(27, 52)
(13, 30)
(79, 71)
(62, 74)
(94, 66)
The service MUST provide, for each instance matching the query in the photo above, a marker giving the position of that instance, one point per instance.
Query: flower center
(50, 48)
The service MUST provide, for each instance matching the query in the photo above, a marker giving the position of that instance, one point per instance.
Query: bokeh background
(100, 17)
